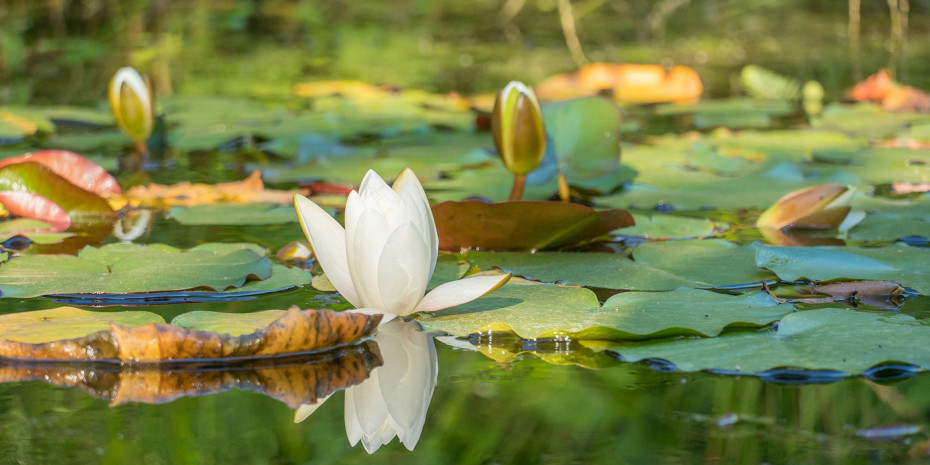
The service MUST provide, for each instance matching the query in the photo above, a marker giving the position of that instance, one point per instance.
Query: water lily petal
(408, 178)
(376, 193)
(365, 240)
(374, 311)
(403, 270)
(459, 292)
(328, 239)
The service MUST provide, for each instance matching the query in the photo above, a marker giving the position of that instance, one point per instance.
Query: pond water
(411, 396)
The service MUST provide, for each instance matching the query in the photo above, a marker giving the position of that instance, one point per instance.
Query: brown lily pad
(522, 225)
(25, 337)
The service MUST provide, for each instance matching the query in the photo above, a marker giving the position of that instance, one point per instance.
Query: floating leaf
(33, 191)
(657, 266)
(585, 136)
(124, 268)
(825, 339)
(548, 311)
(225, 214)
(661, 226)
(52, 335)
(908, 265)
(293, 380)
(249, 190)
(522, 225)
(74, 168)
(38, 232)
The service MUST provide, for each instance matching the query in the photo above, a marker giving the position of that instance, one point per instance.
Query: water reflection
(394, 399)
(293, 380)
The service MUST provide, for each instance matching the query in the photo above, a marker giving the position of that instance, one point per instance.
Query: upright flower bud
(519, 133)
(132, 103)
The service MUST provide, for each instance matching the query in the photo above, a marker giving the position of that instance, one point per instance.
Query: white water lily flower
(384, 258)
(394, 399)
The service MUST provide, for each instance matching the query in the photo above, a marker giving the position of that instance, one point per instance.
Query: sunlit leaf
(548, 311)
(67, 333)
(123, 268)
(33, 191)
(909, 266)
(76, 169)
(825, 339)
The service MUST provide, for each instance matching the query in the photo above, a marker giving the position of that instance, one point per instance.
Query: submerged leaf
(52, 335)
(522, 225)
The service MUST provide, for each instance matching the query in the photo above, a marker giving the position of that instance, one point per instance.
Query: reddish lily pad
(522, 225)
(32, 190)
(76, 169)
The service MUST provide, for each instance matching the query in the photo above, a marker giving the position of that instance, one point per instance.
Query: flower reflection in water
(394, 399)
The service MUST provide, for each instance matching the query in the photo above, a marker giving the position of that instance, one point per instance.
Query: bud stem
(142, 149)
(519, 182)
(565, 192)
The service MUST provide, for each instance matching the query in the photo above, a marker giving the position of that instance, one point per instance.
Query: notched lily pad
(521, 225)
(125, 268)
(556, 312)
(51, 335)
(825, 339)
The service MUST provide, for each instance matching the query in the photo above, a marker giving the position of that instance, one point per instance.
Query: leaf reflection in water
(393, 401)
(292, 380)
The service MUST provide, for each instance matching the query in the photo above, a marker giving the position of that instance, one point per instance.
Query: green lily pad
(606, 270)
(43, 326)
(876, 165)
(867, 120)
(124, 268)
(37, 231)
(686, 189)
(656, 266)
(712, 262)
(731, 113)
(234, 324)
(549, 311)
(909, 266)
(660, 226)
(824, 339)
(881, 227)
(585, 136)
(232, 214)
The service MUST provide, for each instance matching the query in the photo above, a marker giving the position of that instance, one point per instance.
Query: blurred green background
(64, 51)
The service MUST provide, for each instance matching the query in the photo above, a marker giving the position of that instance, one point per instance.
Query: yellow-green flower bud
(132, 104)
(517, 125)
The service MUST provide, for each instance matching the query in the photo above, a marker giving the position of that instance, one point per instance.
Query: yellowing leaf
(186, 194)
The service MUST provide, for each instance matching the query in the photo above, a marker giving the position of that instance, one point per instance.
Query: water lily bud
(517, 125)
(817, 207)
(132, 103)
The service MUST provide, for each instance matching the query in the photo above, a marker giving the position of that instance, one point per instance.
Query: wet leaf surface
(825, 339)
(549, 311)
(70, 334)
